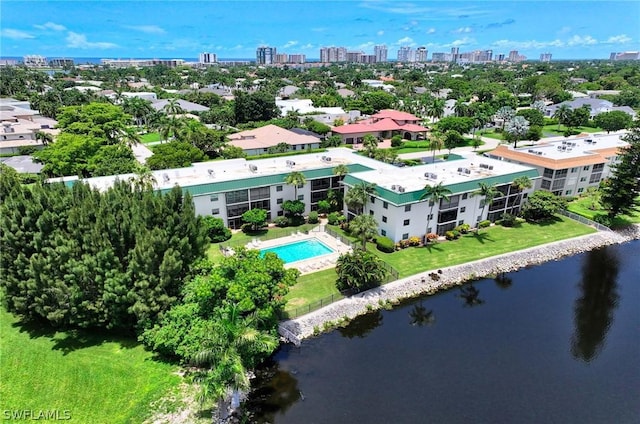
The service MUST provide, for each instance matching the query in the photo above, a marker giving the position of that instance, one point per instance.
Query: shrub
(450, 235)
(414, 241)
(603, 220)
(463, 228)
(281, 221)
(508, 220)
(484, 224)
(431, 237)
(313, 217)
(404, 243)
(27, 150)
(385, 244)
(216, 230)
(396, 141)
(335, 218)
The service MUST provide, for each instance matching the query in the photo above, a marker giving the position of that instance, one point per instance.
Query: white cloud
(79, 41)
(578, 40)
(462, 30)
(618, 39)
(52, 26)
(466, 41)
(365, 46)
(564, 30)
(307, 46)
(15, 34)
(147, 29)
(525, 45)
(289, 44)
(381, 32)
(406, 41)
(237, 47)
(431, 30)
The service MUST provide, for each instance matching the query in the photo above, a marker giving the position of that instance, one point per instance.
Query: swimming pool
(299, 250)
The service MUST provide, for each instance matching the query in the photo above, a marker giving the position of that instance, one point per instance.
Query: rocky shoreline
(430, 282)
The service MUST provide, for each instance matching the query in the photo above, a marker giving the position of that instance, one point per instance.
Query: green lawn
(490, 242)
(492, 134)
(582, 206)
(150, 137)
(554, 129)
(97, 378)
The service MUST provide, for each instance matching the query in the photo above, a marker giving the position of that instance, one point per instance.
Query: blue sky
(233, 29)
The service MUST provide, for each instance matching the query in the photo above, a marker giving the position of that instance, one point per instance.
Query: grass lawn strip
(97, 378)
(581, 206)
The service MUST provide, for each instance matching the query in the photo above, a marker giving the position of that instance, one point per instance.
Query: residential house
(597, 106)
(258, 141)
(382, 125)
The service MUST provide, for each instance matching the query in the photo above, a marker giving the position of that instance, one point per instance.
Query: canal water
(555, 343)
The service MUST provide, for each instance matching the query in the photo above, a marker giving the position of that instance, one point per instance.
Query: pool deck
(307, 266)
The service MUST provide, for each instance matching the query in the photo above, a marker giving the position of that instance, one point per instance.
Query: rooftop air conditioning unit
(253, 168)
(401, 189)
(328, 159)
(467, 171)
(166, 178)
(393, 187)
(491, 167)
(211, 172)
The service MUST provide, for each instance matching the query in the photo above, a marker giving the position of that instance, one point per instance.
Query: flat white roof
(575, 147)
(413, 178)
(237, 169)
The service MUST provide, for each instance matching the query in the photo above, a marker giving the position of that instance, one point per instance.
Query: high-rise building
(265, 55)
(421, 54)
(625, 56)
(406, 54)
(354, 57)
(455, 54)
(545, 57)
(513, 56)
(297, 58)
(380, 53)
(281, 58)
(500, 57)
(208, 58)
(333, 54)
(439, 57)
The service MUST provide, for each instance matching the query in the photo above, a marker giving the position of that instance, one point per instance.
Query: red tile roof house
(259, 140)
(384, 124)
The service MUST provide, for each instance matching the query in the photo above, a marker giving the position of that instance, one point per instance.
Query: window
(385, 205)
(237, 196)
(259, 193)
(279, 201)
(561, 173)
(580, 190)
(574, 170)
(598, 167)
(567, 193)
(407, 208)
(557, 184)
(595, 178)
(280, 213)
(406, 222)
(462, 209)
(384, 219)
(583, 179)
(429, 230)
(586, 168)
(548, 173)
(279, 188)
(405, 236)
(461, 222)
(300, 196)
(383, 232)
(300, 185)
(371, 213)
(372, 199)
(546, 184)
(430, 217)
(215, 211)
(214, 198)
(464, 196)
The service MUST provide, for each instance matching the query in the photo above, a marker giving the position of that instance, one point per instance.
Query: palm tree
(223, 357)
(144, 179)
(435, 110)
(341, 170)
(434, 193)
(517, 128)
(364, 226)
(170, 127)
(520, 184)
(461, 108)
(44, 137)
(489, 192)
(357, 196)
(173, 107)
(370, 144)
(562, 114)
(296, 179)
(436, 140)
(505, 113)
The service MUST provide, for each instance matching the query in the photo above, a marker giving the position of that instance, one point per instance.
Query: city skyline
(569, 30)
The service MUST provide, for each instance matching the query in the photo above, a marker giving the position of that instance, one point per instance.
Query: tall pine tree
(623, 187)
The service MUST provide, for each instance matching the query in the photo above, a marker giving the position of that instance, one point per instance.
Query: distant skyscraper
(333, 54)
(380, 53)
(625, 56)
(421, 54)
(406, 54)
(513, 56)
(545, 57)
(297, 58)
(354, 57)
(208, 58)
(34, 61)
(500, 57)
(438, 57)
(265, 55)
(455, 54)
(281, 58)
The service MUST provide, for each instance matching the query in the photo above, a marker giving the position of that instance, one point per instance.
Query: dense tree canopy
(623, 187)
(78, 257)
(176, 154)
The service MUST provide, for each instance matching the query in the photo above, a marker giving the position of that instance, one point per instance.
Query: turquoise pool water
(298, 251)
